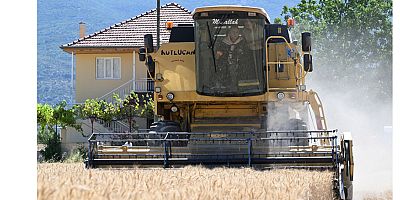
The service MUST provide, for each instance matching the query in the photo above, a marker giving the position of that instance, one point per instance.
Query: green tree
(277, 21)
(132, 106)
(120, 109)
(94, 109)
(128, 108)
(65, 117)
(48, 119)
(148, 107)
(44, 120)
(352, 42)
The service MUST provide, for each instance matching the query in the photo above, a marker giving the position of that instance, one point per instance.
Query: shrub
(79, 154)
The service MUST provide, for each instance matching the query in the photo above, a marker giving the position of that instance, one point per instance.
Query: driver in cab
(230, 56)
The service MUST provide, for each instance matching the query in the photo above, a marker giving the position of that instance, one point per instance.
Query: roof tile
(130, 33)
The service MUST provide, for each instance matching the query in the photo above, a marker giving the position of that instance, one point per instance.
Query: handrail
(144, 85)
(266, 55)
(115, 89)
(115, 126)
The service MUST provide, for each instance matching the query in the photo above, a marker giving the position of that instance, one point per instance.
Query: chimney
(82, 29)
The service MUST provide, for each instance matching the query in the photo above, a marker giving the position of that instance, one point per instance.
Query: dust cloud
(369, 118)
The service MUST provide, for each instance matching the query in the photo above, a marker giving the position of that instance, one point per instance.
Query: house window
(108, 68)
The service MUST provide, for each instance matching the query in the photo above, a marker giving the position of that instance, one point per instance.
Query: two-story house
(107, 62)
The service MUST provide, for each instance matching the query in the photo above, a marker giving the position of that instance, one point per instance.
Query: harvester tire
(170, 129)
(170, 126)
(298, 124)
(348, 188)
(157, 126)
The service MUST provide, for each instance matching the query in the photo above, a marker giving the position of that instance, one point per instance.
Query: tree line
(352, 44)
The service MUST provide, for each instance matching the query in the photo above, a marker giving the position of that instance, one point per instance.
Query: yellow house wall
(87, 86)
(141, 69)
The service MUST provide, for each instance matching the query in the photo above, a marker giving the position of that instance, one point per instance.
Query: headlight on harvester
(170, 96)
(302, 87)
(280, 95)
(174, 108)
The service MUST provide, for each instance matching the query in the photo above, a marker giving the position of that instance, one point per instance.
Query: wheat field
(72, 181)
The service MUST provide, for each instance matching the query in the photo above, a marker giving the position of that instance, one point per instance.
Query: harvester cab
(230, 90)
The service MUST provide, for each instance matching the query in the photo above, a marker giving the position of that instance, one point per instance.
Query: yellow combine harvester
(230, 90)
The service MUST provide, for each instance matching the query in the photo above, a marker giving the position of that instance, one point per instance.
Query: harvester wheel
(170, 126)
(348, 188)
(298, 124)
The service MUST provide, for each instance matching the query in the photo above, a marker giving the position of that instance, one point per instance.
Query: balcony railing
(138, 86)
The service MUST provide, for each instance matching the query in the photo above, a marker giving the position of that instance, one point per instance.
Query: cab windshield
(229, 56)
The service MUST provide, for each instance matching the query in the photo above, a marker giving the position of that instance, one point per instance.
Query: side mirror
(148, 43)
(306, 41)
(142, 54)
(151, 65)
(307, 63)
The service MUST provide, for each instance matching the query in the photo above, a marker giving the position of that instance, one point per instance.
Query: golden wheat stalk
(72, 181)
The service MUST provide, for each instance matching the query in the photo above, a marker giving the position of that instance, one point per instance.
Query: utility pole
(158, 24)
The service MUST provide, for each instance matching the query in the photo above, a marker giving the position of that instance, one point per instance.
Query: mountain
(58, 24)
